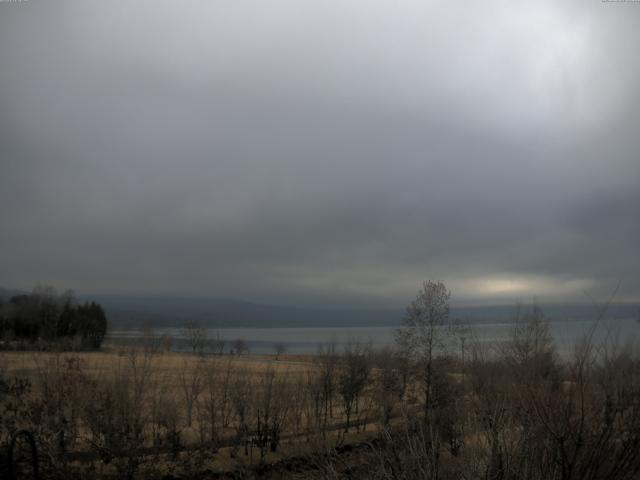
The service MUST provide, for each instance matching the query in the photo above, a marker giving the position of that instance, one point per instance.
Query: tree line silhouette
(45, 318)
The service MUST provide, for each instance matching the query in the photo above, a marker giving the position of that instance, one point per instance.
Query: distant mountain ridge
(228, 313)
(6, 293)
(169, 311)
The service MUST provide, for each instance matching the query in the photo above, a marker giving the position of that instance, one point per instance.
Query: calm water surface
(307, 340)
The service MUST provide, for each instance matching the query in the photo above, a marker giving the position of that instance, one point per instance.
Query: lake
(307, 340)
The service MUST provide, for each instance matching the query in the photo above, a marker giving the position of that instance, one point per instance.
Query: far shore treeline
(45, 319)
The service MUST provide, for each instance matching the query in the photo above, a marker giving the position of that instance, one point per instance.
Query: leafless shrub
(190, 378)
(391, 379)
(165, 429)
(271, 407)
(324, 383)
(215, 409)
(242, 404)
(117, 414)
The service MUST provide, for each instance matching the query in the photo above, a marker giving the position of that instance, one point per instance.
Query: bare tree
(425, 329)
(196, 336)
(423, 337)
(217, 344)
(280, 349)
(240, 346)
(531, 351)
(355, 369)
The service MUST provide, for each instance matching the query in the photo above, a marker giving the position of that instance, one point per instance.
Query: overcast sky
(321, 152)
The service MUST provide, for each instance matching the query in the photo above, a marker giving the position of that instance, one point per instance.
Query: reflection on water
(306, 340)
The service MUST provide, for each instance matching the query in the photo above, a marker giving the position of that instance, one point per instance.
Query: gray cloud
(320, 152)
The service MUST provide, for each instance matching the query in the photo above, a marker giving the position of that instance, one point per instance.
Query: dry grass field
(510, 412)
(137, 411)
(168, 364)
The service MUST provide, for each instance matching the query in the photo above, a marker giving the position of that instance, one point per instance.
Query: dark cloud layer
(321, 152)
